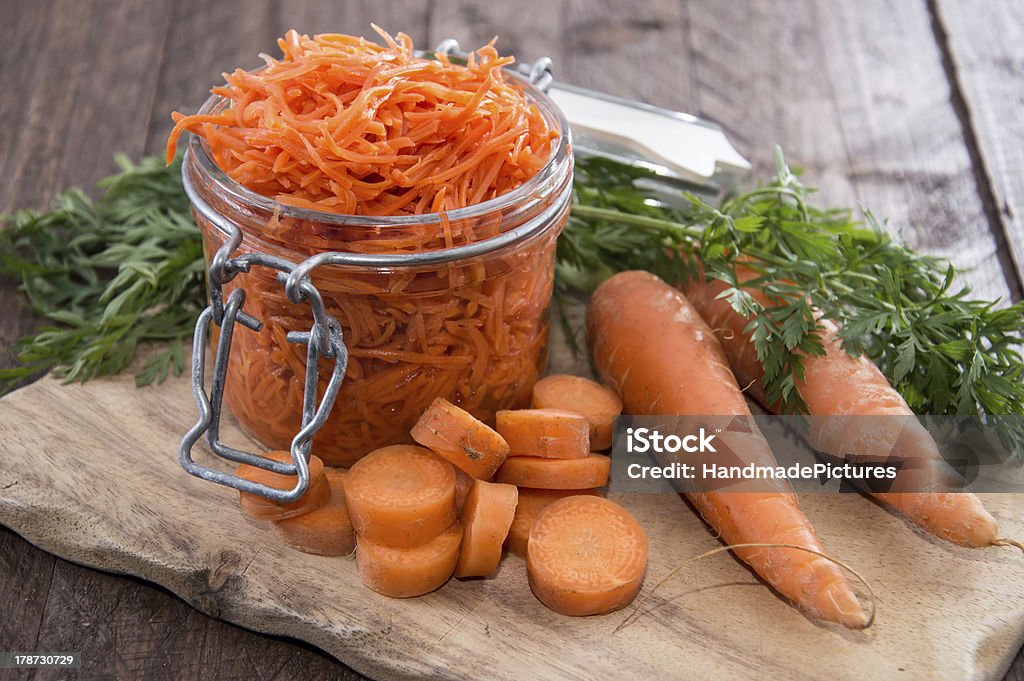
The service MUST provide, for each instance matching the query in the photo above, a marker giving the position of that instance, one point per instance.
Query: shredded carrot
(343, 125)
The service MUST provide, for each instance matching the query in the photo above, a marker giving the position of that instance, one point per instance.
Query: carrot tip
(1008, 542)
(848, 610)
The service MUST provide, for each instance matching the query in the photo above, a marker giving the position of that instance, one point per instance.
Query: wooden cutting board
(90, 473)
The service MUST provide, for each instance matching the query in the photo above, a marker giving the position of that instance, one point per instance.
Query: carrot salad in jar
(346, 145)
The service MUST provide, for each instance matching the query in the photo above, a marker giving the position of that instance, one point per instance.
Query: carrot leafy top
(945, 351)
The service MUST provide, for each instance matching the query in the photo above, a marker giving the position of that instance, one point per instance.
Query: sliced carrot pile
(326, 531)
(531, 503)
(586, 556)
(547, 433)
(533, 471)
(317, 494)
(400, 496)
(407, 572)
(574, 393)
(461, 439)
(345, 125)
(486, 518)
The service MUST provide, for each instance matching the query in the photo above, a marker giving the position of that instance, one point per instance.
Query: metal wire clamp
(324, 339)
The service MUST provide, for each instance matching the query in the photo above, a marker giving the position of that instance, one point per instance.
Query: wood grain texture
(87, 494)
(726, 64)
(985, 41)
(110, 61)
(869, 118)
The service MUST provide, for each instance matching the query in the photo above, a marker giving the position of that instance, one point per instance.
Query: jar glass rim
(200, 152)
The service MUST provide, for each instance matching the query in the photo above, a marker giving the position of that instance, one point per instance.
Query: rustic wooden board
(805, 74)
(90, 473)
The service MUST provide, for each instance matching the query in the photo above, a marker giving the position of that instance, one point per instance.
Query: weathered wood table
(911, 108)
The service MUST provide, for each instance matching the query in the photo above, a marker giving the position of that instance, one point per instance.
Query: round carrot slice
(547, 433)
(486, 517)
(407, 572)
(586, 556)
(456, 435)
(326, 531)
(574, 393)
(530, 504)
(400, 495)
(317, 493)
(532, 471)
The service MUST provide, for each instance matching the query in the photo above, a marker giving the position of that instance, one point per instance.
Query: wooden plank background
(908, 107)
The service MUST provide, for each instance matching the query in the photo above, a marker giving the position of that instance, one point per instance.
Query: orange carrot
(533, 471)
(836, 384)
(547, 433)
(407, 572)
(454, 434)
(317, 493)
(463, 483)
(583, 396)
(586, 556)
(531, 503)
(400, 496)
(651, 345)
(486, 518)
(326, 531)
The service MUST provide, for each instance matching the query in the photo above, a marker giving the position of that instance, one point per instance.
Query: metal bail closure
(324, 339)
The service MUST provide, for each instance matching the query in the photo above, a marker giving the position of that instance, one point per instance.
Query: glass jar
(470, 325)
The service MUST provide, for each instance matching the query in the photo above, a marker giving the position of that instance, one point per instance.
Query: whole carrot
(652, 347)
(836, 384)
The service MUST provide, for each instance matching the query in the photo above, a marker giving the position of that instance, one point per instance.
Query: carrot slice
(586, 556)
(547, 433)
(260, 508)
(574, 393)
(407, 572)
(531, 503)
(461, 439)
(486, 517)
(463, 483)
(326, 531)
(400, 495)
(533, 471)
